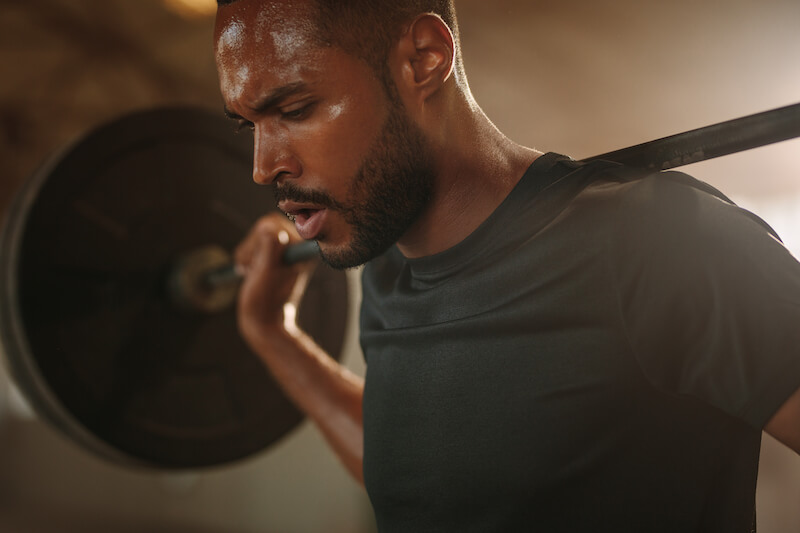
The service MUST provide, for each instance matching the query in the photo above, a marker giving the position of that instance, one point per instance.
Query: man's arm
(320, 387)
(785, 424)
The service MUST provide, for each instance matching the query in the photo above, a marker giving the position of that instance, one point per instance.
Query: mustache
(293, 193)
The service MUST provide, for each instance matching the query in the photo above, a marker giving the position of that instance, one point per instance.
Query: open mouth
(308, 220)
(301, 215)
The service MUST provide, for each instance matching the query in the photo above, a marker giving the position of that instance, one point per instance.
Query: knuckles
(269, 233)
(271, 226)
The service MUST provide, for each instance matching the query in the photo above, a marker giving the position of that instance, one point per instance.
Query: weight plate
(89, 332)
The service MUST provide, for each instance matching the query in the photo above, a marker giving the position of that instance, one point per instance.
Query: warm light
(192, 8)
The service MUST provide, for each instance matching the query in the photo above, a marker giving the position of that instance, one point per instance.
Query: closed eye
(297, 113)
(242, 125)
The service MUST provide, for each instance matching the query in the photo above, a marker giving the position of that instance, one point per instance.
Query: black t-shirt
(599, 355)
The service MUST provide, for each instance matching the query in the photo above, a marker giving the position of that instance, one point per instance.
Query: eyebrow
(271, 99)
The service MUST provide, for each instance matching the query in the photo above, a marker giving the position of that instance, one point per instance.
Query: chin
(343, 256)
(337, 256)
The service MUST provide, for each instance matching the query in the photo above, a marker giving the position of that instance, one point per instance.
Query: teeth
(305, 213)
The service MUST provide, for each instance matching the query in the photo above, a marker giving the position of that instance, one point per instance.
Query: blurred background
(573, 76)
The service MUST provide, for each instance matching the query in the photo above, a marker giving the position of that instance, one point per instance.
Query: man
(550, 346)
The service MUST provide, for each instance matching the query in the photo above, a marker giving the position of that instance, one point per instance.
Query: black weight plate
(90, 334)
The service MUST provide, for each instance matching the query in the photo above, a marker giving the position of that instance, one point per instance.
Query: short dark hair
(369, 28)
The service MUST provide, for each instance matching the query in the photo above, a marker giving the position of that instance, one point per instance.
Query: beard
(387, 194)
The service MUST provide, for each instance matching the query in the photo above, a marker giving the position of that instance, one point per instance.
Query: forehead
(262, 19)
(256, 34)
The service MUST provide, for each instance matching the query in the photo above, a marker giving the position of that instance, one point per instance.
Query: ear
(423, 58)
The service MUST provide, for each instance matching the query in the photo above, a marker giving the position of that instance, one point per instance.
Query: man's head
(338, 96)
(369, 28)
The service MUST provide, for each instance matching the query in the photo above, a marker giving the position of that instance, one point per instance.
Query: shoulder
(672, 211)
(677, 248)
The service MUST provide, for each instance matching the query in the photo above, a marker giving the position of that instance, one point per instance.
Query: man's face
(349, 166)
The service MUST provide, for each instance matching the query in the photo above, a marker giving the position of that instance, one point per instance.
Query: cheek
(344, 136)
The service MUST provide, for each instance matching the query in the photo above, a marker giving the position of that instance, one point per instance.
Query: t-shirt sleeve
(709, 299)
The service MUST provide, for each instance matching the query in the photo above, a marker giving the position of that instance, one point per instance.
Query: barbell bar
(709, 142)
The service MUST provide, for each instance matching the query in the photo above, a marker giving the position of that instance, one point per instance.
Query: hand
(269, 284)
(318, 385)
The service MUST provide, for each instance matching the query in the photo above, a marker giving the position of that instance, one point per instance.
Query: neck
(477, 167)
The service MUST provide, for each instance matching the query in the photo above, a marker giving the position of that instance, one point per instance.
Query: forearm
(324, 390)
(327, 392)
(785, 424)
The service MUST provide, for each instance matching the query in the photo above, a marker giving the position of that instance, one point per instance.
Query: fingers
(271, 234)
(268, 282)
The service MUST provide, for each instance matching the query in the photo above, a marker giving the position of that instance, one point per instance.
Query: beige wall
(573, 76)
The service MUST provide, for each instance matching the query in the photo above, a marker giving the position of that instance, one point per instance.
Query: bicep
(785, 423)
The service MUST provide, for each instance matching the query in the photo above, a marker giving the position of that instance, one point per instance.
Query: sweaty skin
(322, 147)
(302, 105)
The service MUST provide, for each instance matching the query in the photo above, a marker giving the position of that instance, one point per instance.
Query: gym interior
(572, 76)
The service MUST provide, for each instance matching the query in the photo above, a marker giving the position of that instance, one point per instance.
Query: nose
(273, 160)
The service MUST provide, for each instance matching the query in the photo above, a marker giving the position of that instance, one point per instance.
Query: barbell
(116, 316)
